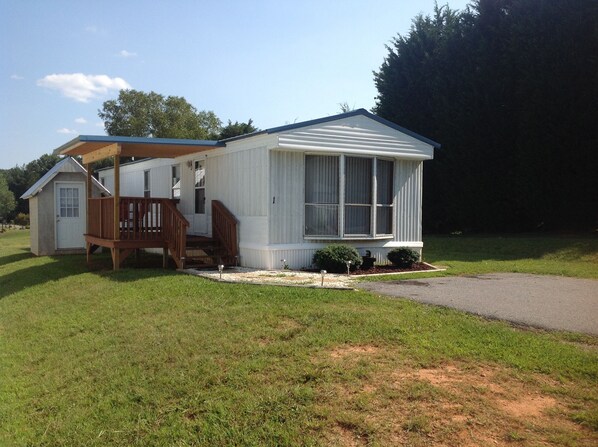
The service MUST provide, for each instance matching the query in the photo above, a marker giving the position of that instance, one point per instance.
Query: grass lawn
(565, 255)
(153, 357)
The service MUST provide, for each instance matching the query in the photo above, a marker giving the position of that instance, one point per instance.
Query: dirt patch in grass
(527, 406)
(452, 404)
(345, 435)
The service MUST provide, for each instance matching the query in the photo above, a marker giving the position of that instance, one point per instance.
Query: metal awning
(97, 147)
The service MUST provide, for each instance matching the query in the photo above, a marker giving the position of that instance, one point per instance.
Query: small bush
(402, 257)
(333, 257)
(22, 219)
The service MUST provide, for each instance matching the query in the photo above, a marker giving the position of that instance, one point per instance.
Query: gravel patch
(290, 278)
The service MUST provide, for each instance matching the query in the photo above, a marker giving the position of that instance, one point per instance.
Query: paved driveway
(550, 302)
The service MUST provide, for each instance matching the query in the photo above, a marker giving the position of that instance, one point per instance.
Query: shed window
(364, 205)
(69, 202)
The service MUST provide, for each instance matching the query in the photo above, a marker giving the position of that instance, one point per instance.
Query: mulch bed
(418, 266)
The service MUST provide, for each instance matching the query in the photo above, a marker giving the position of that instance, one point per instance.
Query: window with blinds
(321, 195)
(384, 196)
(363, 205)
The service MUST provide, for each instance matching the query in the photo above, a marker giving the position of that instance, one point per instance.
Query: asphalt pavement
(549, 302)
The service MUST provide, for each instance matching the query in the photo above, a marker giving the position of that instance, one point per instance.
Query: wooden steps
(205, 252)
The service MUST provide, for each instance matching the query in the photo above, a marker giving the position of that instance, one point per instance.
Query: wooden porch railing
(174, 229)
(224, 227)
(100, 217)
(140, 220)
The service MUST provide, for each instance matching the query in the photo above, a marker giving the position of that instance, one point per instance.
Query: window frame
(147, 183)
(173, 183)
(197, 188)
(374, 205)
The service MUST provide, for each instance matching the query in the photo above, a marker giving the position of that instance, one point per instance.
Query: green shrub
(402, 257)
(22, 219)
(333, 257)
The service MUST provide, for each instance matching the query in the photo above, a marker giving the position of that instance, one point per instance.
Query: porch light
(220, 268)
(323, 273)
(348, 263)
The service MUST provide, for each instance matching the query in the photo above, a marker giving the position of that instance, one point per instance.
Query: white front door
(200, 222)
(70, 214)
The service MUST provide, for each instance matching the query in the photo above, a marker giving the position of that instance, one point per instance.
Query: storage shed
(57, 208)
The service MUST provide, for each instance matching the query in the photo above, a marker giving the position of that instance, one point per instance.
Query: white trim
(357, 152)
(37, 187)
(315, 245)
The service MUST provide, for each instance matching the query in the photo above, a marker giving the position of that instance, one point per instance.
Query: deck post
(116, 256)
(88, 186)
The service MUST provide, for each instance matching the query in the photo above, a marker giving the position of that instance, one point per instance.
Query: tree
(21, 178)
(509, 89)
(138, 114)
(7, 200)
(236, 129)
(345, 107)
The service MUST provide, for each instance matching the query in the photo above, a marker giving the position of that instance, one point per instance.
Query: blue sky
(276, 62)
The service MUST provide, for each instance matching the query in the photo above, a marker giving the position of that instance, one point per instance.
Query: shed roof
(61, 166)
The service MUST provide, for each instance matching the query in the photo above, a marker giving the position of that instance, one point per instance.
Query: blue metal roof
(337, 117)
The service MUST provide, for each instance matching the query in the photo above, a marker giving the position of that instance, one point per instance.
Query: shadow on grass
(68, 265)
(16, 257)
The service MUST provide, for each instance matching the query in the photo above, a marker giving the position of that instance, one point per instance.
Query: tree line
(510, 90)
(135, 114)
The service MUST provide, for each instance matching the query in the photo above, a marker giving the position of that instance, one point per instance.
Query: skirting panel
(271, 258)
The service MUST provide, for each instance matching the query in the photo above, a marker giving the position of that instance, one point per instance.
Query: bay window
(348, 197)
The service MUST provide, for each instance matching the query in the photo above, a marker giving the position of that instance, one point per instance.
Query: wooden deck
(157, 223)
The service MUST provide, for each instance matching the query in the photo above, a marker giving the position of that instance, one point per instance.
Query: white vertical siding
(408, 212)
(131, 178)
(286, 202)
(160, 181)
(240, 181)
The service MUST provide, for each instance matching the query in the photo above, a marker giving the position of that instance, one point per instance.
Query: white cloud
(100, 124)
(81, 87)
(16, 77)
(66, 131)
(126, 54)
(80, 120)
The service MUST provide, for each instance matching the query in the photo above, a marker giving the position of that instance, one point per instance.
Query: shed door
(70, 214)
